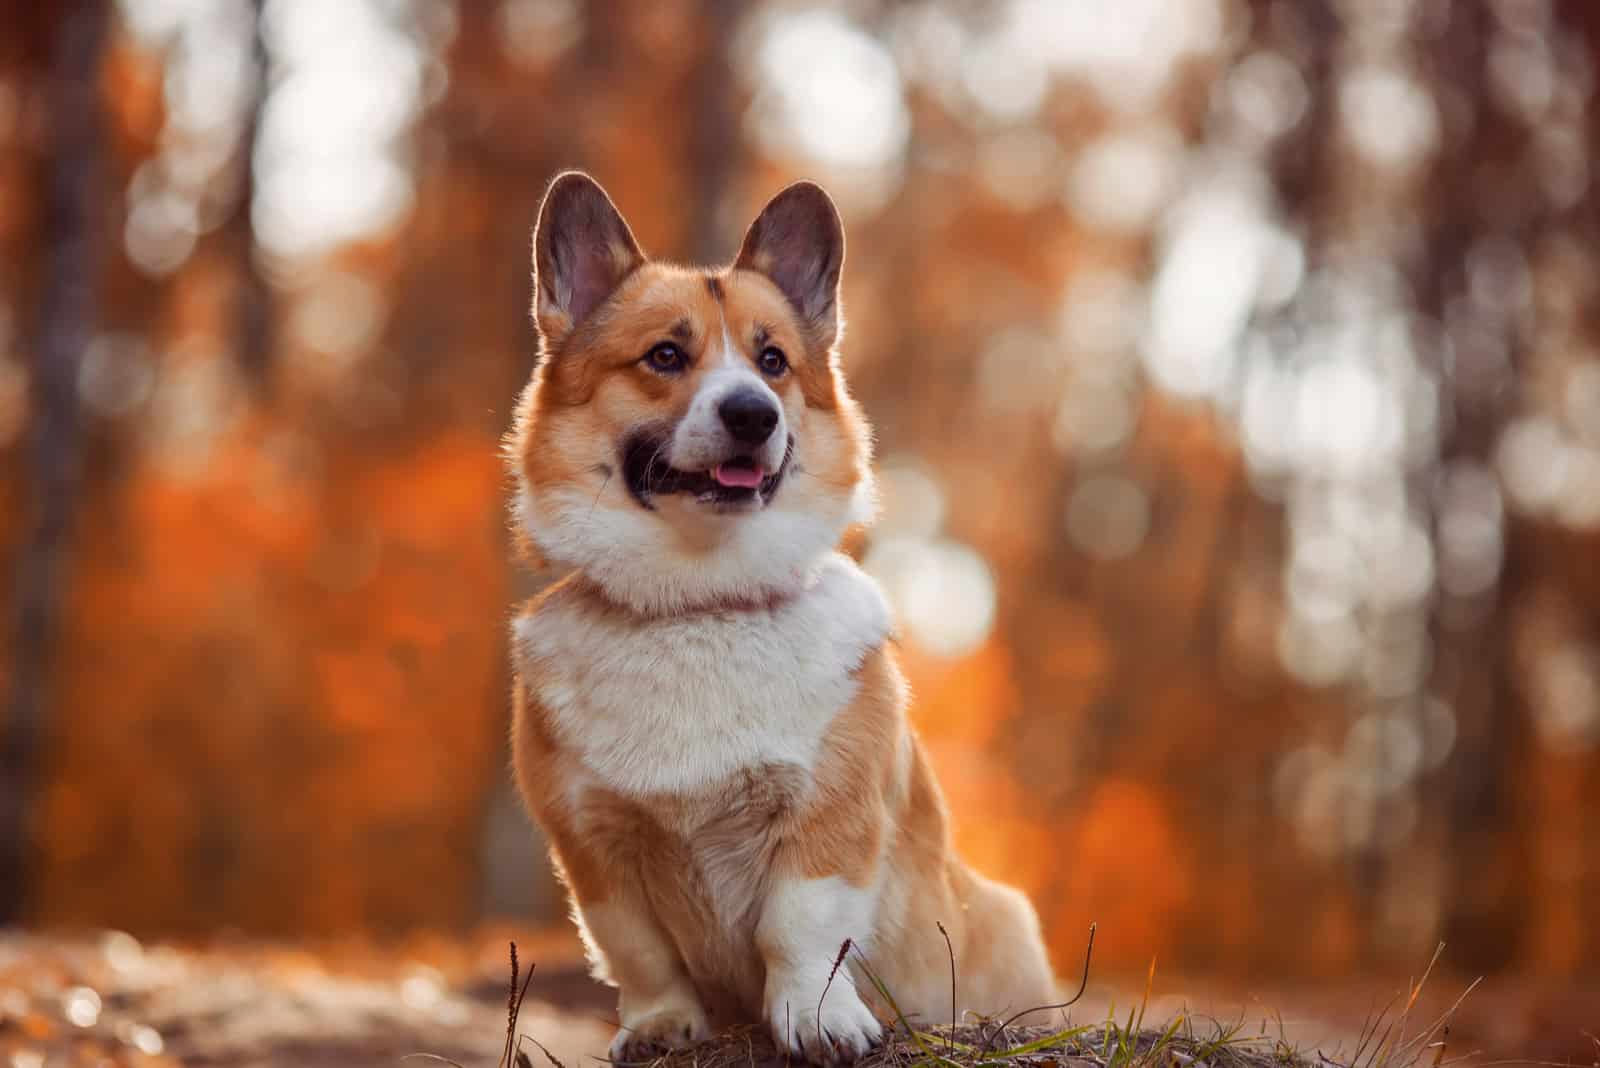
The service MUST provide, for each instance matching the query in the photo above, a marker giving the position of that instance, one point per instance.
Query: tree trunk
(64, 326)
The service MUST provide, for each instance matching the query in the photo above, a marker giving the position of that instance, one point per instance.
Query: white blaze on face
(701, 440)
(729, 355)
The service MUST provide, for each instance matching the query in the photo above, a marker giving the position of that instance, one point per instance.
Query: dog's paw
(844, 1031)
(658, 1033)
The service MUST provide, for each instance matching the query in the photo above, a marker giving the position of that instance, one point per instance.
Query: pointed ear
(798, 242)
(582, 250)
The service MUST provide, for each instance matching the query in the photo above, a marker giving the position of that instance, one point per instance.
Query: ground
(108, 1000)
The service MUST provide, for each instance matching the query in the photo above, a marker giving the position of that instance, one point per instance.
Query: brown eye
(772, 362)
(666, 359)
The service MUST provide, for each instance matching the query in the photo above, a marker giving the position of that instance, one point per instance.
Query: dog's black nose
(749, 416)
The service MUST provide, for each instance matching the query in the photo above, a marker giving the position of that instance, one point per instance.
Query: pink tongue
(742, 476)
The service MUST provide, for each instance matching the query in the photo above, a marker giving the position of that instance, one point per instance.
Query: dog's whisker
(595, 503)
(655, 454)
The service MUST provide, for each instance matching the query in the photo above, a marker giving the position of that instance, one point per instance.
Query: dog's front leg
(803, 924)
(657, 1005)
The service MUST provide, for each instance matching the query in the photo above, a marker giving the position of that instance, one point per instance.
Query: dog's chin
(734, 487)
(736, 501)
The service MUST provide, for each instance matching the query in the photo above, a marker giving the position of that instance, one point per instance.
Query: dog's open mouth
(738, 480)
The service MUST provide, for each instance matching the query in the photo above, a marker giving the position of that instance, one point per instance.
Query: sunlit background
(1235, 374)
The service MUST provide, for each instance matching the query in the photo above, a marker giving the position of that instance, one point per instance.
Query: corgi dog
(709, 722)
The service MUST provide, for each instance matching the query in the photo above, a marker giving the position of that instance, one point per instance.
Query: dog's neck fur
(767, 557)
(767, 601)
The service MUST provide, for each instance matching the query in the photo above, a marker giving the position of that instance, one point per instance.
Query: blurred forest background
(1237, 386)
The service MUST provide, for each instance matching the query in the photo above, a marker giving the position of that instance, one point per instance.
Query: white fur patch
(802, 923)
(679, 704)
(730, 348)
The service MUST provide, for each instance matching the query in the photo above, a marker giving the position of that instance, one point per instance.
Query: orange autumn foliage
(272, 681)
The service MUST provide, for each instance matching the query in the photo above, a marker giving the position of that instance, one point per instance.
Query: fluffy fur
(710, 724)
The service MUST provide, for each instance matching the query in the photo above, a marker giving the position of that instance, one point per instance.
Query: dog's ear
(798, 242)
(582, 250)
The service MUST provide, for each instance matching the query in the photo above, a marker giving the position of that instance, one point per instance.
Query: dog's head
(687, 440)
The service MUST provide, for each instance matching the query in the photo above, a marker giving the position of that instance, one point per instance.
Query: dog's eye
(666, 358)
(772, 362)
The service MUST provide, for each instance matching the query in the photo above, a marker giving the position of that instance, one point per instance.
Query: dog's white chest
(678, 705)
